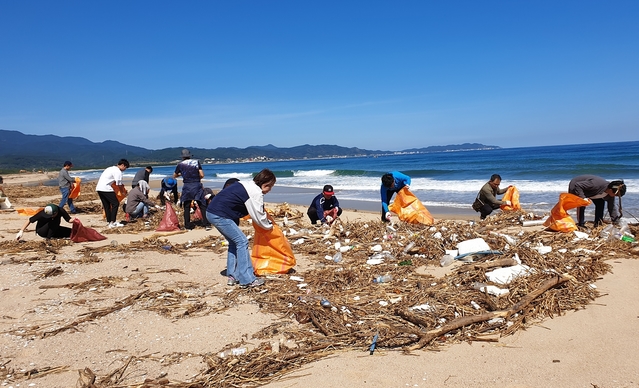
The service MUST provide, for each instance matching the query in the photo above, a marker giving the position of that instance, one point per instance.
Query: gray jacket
(64, 179)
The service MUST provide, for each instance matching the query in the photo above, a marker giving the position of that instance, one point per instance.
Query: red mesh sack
(80, 233)
(197, 214)
(169, 222)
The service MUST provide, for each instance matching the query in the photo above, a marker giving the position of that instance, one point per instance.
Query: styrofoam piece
(452, 252)
(494, 290)
(506, 274)
(471, 246)
(543, 249)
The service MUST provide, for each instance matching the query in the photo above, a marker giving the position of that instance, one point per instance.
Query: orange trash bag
(512, 195)
(28, 211)
(410, 209)
(75, 189)
(120, 194)
(559, 219)
(80, 233)
(271, 251)
(169, 221)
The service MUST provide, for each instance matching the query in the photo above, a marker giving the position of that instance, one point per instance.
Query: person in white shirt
(111, 180)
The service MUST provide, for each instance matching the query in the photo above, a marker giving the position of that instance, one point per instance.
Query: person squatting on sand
(168, 185)
(192, 190)
(111, 176)
(48, 223)
(65, 182)
(392, 183)
(224, 212)
(143, 174)
(137, 201)
(325, 207)
(487, 196)
(600, 191)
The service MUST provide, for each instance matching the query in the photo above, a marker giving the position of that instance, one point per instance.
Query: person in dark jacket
(143, 174)
(48, 223)
(192, 190)
(325, 207)
(65, 182)
(600, 192)
(488, 196)
(224, 212)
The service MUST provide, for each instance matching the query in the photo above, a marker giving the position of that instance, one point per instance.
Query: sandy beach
(132, 311)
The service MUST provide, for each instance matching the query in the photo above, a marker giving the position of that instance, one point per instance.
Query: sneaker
(116, 225)
(232, 281)
(255, 283)
(207, 227)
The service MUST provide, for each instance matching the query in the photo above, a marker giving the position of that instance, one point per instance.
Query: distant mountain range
(48, 152)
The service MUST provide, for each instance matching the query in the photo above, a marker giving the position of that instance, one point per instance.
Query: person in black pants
(600, 192)
(48, 223)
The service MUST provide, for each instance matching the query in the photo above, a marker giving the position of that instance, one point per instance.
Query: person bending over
(224, 212)
(601, 192)
(48, 223)
(392, 183)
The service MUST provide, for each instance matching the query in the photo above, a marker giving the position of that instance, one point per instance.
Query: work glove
(387, 216)
(329, 219)
(19, 235)
(166, 195)
(508, 203)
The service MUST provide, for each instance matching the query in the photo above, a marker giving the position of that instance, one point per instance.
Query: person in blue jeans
(65, 182)
(224, 212)
(392, 182)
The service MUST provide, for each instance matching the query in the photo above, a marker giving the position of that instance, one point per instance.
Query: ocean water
(450, 179)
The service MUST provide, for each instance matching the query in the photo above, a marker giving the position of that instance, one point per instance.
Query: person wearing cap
(392, 182)
(600, 192)
(65, 182)
(168, 185)
(112, 176)
(137, 201)
(192, 190)
(48, 223)
(487, 196)
(325, 207)
(143, 174)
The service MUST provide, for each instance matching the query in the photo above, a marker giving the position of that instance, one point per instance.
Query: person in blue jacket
(224, 212)
(325, 207)
(392, 182)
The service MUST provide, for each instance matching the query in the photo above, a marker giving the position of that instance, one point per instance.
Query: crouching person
(48, 223)
(138, 203)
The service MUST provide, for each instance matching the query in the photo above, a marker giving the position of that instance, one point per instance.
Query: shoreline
(299, 196)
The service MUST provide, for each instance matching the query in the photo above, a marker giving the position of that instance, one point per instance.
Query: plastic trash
(337, 257)
(232, 352)
(409, 246)
(446, 260)
(472, 246)
(373, 344)
(492, 290)
(325, 303)
(383, 279)
(506, 274)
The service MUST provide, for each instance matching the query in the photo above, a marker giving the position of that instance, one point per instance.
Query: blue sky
(369, 74)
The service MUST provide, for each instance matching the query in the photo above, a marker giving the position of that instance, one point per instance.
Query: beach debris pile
(367, 286)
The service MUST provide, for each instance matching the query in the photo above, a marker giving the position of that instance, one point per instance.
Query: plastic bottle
(383, 279)
(409, 246)
(337, 257)
(446, 260)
